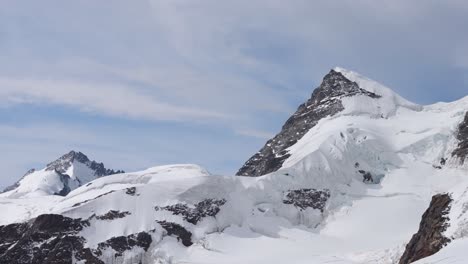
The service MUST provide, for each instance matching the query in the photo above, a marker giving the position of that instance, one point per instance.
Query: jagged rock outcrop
(462, 136)
(54, 239)
(205, 208)
(63, 163)
(131, 191)
(125, 243)
(113, 214)
(178, 231)
(307, 198)
(430, 238)
(366, 176)
(325, 101)
(46, 239)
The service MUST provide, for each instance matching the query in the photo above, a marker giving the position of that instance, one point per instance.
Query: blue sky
(147, 82)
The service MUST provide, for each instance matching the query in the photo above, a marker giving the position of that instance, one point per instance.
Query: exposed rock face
(62, 164)
(462, 136)
(46, 239)
(113, 214)
(54, 239)
(325, 101)
(131, 191)
(123, 243)
(66, 187)
(366, 176)
(207, 207)
(307, 198)
(429, 239)
(182, 234)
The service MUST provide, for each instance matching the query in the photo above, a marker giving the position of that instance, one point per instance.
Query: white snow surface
(38, 183)
(454, 253)
(49, 182)
(397, 141)
(389, 101)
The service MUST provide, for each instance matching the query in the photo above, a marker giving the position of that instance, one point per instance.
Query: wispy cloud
(115, 100)
(234, 69)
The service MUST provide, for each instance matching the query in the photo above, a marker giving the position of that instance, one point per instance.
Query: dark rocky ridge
(62, 164)
(45, 239)
(205, 208)
(113, 214)
(54, 239)
(429, 239)
(462, 136)
(131, 191)
(178, 231)
(325, 101)
(307, 198)
(124, 243)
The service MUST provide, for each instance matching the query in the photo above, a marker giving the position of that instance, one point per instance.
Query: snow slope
(454, 253)
(317, 208)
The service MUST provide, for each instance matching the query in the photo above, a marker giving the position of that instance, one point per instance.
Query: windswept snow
(389, 101)
(454, 253)
(59, 177)
(38, 183)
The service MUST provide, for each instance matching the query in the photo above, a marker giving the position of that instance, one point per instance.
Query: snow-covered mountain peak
(341, 93)
(66, 161)
(76, 158)
(59, 177)
(391, 98)
(335, 85)
(353, 173)
(365, 82)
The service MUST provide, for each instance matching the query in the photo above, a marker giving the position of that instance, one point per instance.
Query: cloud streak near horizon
(224, 75)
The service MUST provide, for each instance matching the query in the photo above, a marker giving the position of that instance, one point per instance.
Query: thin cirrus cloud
(170, 93)
(224, 73)
(112, 100)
